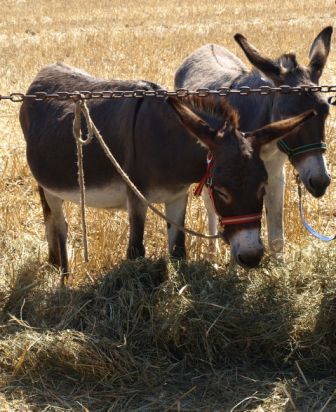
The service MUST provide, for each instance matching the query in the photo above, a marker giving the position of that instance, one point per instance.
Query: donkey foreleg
(56, 230)
(137, 211)
(212, 221)
(274, 206)
(176, 211)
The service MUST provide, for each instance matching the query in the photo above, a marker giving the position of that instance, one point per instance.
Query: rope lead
(81, 182)
(312, 231)
(81, 107)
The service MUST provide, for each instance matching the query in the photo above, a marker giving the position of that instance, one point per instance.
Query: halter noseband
(300, 149)
(223, 221)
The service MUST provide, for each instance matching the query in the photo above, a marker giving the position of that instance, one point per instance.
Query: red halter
(231, 220)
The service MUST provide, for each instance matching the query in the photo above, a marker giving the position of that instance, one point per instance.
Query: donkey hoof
(179, 253)
(135, 252)
(66, 279)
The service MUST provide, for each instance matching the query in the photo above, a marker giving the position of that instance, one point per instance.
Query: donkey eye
(223, 194)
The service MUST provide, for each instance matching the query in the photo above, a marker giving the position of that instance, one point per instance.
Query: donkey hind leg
(212, 222)
(137, 211)
(176, 211)
(56, 231)
(274, 207)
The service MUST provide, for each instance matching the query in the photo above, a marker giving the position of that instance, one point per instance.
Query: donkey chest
(270, 153)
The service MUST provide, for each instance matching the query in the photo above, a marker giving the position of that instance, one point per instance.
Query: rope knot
(81, 107)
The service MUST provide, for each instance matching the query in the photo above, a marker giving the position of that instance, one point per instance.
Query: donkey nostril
(249, 261)
(318, 185)
(241, 260)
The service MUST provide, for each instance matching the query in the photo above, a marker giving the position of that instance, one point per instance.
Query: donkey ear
(319, 52)
(196, 126)
(277, 130)
(264, 64)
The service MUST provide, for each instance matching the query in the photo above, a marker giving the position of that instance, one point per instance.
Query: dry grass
(150, 335)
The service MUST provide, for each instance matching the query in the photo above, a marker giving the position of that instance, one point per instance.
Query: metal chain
(202, 92)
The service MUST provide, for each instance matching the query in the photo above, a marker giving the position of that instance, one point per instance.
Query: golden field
(151, 334)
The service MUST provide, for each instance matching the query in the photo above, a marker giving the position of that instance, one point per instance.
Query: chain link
(162, 93)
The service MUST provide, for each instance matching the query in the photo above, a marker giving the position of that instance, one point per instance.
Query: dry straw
(153, 335)
(162, 335)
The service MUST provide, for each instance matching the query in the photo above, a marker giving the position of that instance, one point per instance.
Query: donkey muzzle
(314, 174)
(246, 247)
(317, 184)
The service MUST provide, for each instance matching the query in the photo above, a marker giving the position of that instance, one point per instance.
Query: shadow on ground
(163, 335)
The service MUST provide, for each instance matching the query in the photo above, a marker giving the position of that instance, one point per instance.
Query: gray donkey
(213, 66)
(156, 143)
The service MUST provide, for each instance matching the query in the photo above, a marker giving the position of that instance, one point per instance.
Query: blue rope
(306, 225)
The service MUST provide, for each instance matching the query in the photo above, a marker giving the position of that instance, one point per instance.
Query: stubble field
(153, 334)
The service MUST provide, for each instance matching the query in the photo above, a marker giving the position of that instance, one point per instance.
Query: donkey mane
(288, 62)
(223, 112)
(211, 106)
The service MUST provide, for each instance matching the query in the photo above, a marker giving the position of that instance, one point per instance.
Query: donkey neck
(255, 110)
(162, 141)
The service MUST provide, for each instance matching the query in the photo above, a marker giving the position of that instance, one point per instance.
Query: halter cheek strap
(206, 176)
(300, 149)
(223, 221)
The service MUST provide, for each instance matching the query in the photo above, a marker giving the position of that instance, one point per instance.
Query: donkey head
(237, 175)
(305, 145)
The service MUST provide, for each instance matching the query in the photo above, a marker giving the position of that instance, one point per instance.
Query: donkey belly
(109, 196)
(164, 195)
(114, 195)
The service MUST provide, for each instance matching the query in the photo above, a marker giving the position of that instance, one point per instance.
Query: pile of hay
(161, 335)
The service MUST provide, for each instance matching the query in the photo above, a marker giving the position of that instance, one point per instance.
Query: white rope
(79, 142)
